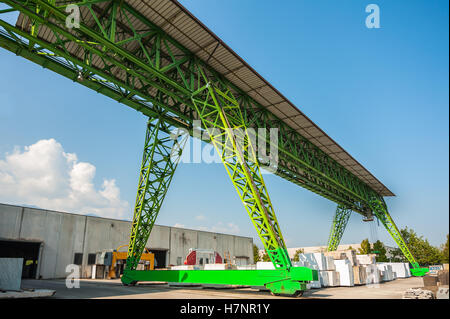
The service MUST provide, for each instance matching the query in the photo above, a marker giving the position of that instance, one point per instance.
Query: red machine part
(191, 258)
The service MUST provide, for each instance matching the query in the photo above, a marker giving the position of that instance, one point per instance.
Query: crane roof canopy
(181, 25)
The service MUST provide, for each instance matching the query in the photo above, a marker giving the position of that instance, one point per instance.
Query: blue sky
(382, 94)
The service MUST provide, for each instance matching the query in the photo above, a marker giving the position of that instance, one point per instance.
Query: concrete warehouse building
(50, 240)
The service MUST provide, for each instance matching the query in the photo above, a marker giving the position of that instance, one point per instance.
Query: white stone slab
(323, 278)
(219, 267)
(10, 273)
(345, 270)
(442, 293)
(386, 273)
(264, 265)
(351, 256)
(187, 267)
(336, 254)
(372, 274)
(408, 271)
(246, 267)
(399, 270)
(301, 264)
(359, 275)
(333, 278)
(34, 293)
(330, 263)
(310, 259)
(366, 259)
(314, 285)
(320, 260)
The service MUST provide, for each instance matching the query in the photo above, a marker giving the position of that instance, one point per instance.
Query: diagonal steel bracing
(162, 152)
(340, 221)
(222, 118)
(379, 208)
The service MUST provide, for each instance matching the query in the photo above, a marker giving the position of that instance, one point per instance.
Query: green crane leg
(222, 118)
(162, 152)
(340, 221)
(219, 113)
(381, 212)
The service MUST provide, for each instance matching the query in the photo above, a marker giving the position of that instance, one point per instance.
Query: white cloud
(200, 217)
(177, 225)
(44, 175)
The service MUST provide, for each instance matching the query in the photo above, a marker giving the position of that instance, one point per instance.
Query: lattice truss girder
(221, 116)
(125, 56)
(340, 221)
(162, 152)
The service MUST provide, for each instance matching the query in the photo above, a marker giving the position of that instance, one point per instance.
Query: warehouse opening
(27, 250)
(160, 257)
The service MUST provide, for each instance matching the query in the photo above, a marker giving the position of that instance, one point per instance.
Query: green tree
(424, 253)
(265, 257)
(365, 247)
(256, 256)
(380, 250)
(445, 257)
(297, 254)
(397, 256)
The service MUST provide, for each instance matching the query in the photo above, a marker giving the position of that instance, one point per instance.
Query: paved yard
(114, 289)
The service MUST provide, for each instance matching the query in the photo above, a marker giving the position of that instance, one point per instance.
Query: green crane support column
(222, 118)
(162, 152)
(340, 221)
(381, 212)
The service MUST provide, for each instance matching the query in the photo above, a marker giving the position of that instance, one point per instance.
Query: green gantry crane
(158, 59)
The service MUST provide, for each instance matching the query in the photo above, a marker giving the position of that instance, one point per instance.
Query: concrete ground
(93, 289)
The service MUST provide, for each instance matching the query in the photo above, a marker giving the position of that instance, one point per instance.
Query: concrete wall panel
(207, 240)
(243, 246)
(180, 242)
(225, 245)
(104, 234)
(10, 217)
(41, 225)
(70, 241)
(159, 238)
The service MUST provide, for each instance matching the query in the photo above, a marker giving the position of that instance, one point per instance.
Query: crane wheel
(296, 294)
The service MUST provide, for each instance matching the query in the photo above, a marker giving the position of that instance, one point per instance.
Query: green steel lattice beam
(162, 152)
(340, 221)
(148, 68)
